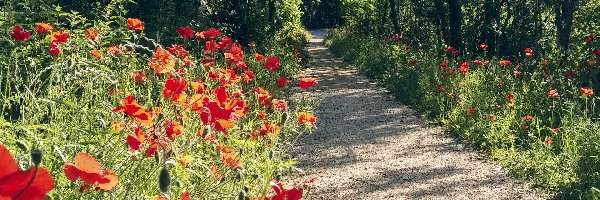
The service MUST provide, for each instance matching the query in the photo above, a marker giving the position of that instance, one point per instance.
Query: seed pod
(164, 180)
(36, 157)
(284, 118)
(22, 146)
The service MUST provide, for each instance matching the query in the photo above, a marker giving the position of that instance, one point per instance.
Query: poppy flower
(527, 118)
(464, 68)
(261, 115)
(450, 49)
(282, 82)
(33, 183)
(272, 63)
(596, 52)
(483, 46)
(306, 83)
(115, 50)
(280, 104)
(59, 37)
(259, 57)
(552, 94)
(97, 54)
(288, 194)
(212, 33)
(139, 76)
(225, 43)
(132, 108)
(548, 141)
(135, 24)
(92, 34)
(471, 111)
(174, 88)
(523, 128)
(210, 46)
(444, 64)
(263, 96)
(306, 117)
(88, 169)
(44, 27)
(492, 118)
(249, 76)
(528, 52)
(590, 38)
(216, 173)
(517, 73)
(477, 62)
(54, 49)
(509, 96)
(505, 62)
(587, 91)
(231, 160)
(441, 89)
(162, 62)
(20, 34)
(178, 51)
(185, 32)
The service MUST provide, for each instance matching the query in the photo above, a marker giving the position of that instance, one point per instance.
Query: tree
(564, 10)
(456, 19)
(394, 15)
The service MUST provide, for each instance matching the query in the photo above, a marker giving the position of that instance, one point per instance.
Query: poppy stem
(28, 184)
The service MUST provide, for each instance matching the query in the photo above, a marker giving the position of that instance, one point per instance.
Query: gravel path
(368, 146)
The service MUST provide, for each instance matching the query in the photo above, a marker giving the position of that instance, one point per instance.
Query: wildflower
(587, 91)
(185, 32)
(261, 115)
(306, 83)
(505, 62)
(132, 108)
(282, 82)
(464, 68)
(92, 34)
(483, 46)
(306, 117)
(272, 63)
(259, 57)
(548, 141)
(477, 62)
(135, 24)
(523, 128)
(471, 111)
(97, 54)
(509, 96)
(517, 73)
(115, 50)
(174, 88)
(59, 37)
(212, 33)
(590, 38)
(178, 51)
(162, 62)
(88, 169)
(216, 173)
(44, 27)
(280, 104)
(33, 183)
(20, 34)
(139, 76)
(54, 49)
(528, 52)
(444, 64)
(527, 118)
(552, 93)
(441, 89)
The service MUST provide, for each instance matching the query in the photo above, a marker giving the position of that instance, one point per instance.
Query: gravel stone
(369, 146)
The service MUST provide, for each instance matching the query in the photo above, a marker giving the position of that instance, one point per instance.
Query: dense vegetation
(514, 78)
(101, 103)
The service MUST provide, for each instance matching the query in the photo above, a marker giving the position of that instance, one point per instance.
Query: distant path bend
(368, 146)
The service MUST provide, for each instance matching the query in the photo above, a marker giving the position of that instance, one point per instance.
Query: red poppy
(33, 183)
(444, 64)
(441, 89)
(132, 108)
(162, 62)
(306, 117)
(115, 50)
(92, 34)
(587, 91)
(178, 51)
(54, 49)
(306, 83)
(477, 62)
(282, 82)
(505, 62)
(548, 141)
(528, 52)
(280, 104)
(596, 52)
(263, 96)
(464, 68)
(231, 160)
(259, 57)
(88, 169)
(590, 38)
(517, 73)
(20, 34)
(471, 111)
(59, 37)
(225, 43)
(285, 194)
(216, 173)
(272, 63)
(212, 33)
(527, 118)
(139, 76)
(174, 88)
(44, 27)
(135, 24)
(483, 46)
(552, 94)
(185, 32)
(510, 96)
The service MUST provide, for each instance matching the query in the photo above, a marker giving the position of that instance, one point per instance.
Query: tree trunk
(488, 34)
(394, 16)
(440, 17)
(272, 10)
(564, 10)
(456, 19)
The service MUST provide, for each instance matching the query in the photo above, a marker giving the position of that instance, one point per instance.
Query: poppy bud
(206, 131)
(156, 158)
(277, 177)
(270, 155)
(284, 117)
(243, 194)
(22, 146)
(238, 174)
(36, 157)
(164, 180)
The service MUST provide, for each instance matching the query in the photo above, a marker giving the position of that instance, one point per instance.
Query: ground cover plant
(528, 112)
(98, 110)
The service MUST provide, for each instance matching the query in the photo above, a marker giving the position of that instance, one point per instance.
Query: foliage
(529, 114)
(206, 109)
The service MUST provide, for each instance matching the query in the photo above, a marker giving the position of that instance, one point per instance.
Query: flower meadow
(526, 112)
(104, 112)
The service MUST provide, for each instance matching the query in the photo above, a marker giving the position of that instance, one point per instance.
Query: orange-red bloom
(97, 54)
(92, 34)
(528, 52)
(272, 63)
(306, 83)
(587, 91)
(162, 62)
(174, 88)
(185, 32)
(132, 108)
(54, 49)
(20, 34)
(135, 24)
(44, 27)
(88, 169)
(59, 37)
(306, 117)
(33, 183)
(552, 93)
(139, 76)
